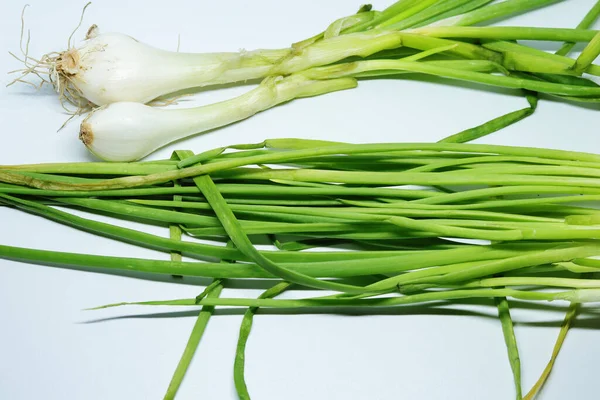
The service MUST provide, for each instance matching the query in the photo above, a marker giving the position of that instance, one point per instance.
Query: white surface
(49, 351)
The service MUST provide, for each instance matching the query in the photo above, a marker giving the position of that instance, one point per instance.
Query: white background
(51, 349)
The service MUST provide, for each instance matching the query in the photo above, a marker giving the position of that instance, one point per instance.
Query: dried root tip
(92, 32)
(67, 63)
(86, 135)
(64, 70)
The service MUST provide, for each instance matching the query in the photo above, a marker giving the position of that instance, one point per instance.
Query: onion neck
(197, 70)
(269, 93)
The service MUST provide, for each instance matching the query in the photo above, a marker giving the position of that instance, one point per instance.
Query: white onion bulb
(115, 67)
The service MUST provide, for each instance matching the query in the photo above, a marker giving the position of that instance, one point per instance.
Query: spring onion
(111, 67)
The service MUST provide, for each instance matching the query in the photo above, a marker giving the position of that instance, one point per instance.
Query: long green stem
(445, 164)
(535, 281)
(554, 170)
(578, 295)
(585, 23)
(95, 168)
(468, 271)
(406, 178)
(511, 342)
(508, 33)
(349, 213)
(501, 10)
(588, 194)
(245, 328)
(495, 124)
(566, 325)
(588, 55)
(333, 269)
(360, 67)
(465, 8)
(190, 348)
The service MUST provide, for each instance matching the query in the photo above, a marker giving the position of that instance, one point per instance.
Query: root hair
(55, 68)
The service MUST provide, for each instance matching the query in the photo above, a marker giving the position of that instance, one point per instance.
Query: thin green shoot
(495, 124)
(566, 325)
(586, 23)
(245, 328)
(577, 295)
(501, 9)
(588, 55)
(192, 344)
(511, 342)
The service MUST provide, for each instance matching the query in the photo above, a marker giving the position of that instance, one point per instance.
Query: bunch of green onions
(373, 225)
(432, 37)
